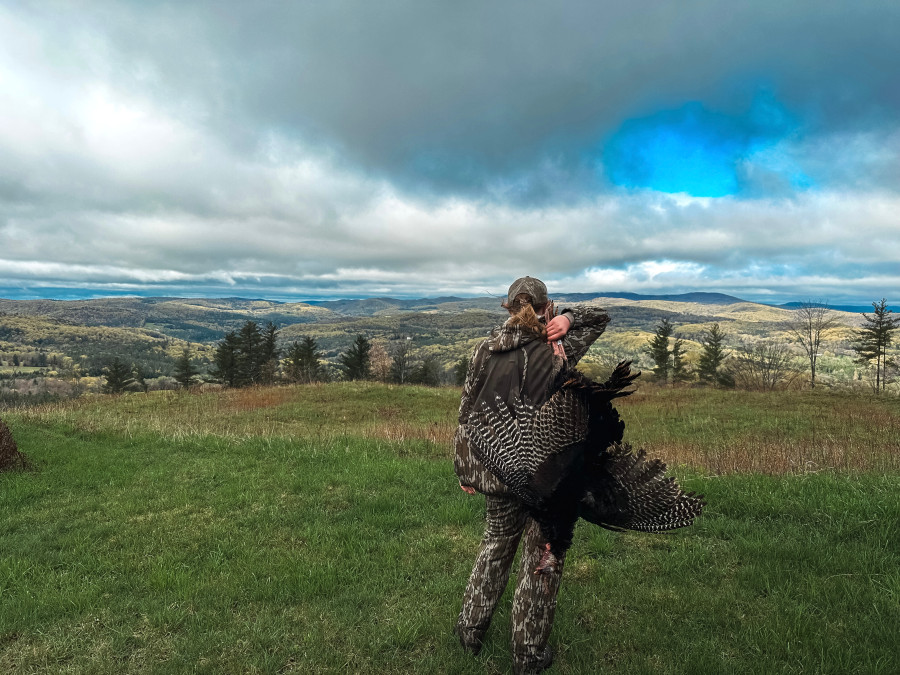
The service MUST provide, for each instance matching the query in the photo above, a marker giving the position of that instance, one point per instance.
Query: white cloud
(617, 243)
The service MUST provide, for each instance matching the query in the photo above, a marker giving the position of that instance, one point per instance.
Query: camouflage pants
(534, 603)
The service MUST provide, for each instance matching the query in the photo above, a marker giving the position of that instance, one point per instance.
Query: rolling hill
(151, 331)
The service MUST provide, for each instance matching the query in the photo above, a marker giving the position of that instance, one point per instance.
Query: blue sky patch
(698, 151)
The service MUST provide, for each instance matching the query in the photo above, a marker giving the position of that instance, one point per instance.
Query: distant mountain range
(206, 320)
(699, 298)
(370, 306)
(856, 309)
(430, 320)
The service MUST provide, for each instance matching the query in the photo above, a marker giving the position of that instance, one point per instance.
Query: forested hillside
(65, 341)
(194, 319)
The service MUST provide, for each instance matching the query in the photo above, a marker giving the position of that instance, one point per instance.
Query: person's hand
(557, 328)
(468, 490)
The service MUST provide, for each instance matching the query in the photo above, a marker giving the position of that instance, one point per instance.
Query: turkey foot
(548, 563)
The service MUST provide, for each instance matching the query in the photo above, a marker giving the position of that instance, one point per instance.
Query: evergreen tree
(428, 372)
(119, 377)
(225, 361)
(303, 362)
(140, 378)
(679, 366)
(659, 350)
(269, 353)
(185, 372)
(249, 355)
(460, 370)
(356, 359)
(712, 356)
(874, 339)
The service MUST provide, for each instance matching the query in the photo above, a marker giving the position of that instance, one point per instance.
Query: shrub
(10, 457)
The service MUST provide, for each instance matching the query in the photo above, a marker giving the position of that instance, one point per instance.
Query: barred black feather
(630, 492)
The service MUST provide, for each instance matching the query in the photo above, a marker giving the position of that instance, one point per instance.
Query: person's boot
(534, 666)
(471, 639)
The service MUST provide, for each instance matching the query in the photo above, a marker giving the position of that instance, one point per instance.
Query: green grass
(261, 547)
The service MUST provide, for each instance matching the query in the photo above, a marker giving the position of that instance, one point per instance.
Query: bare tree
(401, 361)
(811, 322)
(765, 365)
(380, 362)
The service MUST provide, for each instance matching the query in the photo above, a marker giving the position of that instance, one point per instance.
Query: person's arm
(466, 401)
(587, 324)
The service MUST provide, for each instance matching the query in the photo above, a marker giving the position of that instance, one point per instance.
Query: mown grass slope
(320, 529)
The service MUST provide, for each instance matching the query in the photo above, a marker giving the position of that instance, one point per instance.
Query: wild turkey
(566, 459)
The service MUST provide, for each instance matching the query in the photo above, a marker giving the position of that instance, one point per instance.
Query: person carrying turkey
(517, 362)
(546, 447)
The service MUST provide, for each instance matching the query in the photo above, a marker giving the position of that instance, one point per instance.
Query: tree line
(251, 356)
(769, 364)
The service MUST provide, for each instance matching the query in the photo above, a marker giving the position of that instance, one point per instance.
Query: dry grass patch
(765, 432)
(716, 431)
(255, 398)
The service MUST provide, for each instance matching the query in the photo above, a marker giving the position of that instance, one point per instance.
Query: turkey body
(566, 459)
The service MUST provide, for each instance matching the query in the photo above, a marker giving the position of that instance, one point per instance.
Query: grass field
(320, 529)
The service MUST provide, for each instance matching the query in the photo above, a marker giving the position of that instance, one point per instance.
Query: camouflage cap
(533, 287)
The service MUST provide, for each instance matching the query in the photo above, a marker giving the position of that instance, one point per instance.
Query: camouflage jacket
(512, 363)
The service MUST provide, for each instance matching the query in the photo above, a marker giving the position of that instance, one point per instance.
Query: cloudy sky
(346, 148)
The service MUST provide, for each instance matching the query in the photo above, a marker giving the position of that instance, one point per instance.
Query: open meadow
(320, 528)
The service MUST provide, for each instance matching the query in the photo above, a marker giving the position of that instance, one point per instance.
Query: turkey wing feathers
(531, 449)
(524, 445)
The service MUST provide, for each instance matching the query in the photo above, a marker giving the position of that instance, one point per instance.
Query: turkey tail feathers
(626, 491)
(621, 377)
(614, 387)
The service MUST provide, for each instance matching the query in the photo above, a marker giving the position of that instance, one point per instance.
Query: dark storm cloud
(472, 95)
